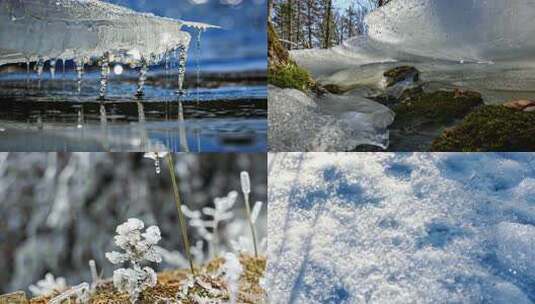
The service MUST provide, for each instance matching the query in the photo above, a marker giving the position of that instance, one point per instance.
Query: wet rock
(490, 128)
(520, 105)
(18, 297)
(407, 74)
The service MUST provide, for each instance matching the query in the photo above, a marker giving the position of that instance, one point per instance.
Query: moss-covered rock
(490, 128)
(436, 108)
(283, 72)
(290, 76)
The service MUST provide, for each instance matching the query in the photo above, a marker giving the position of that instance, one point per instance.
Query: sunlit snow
(401, 228)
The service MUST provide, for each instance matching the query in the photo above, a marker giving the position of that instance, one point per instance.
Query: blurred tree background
(59, 210)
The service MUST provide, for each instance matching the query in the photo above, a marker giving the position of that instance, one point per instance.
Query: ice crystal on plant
(138, 247)
(232, 271)
(48, 285)
(217, 214)
(81, 293)
(156, 156)
(245, 182)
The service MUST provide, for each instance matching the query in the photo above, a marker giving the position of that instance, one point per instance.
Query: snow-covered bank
(298, 122)
(401, 228)
(485, 46)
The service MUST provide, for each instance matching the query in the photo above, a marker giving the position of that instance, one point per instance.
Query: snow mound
(477, 30)
(77, 29)
(299, 123)
(401, 228)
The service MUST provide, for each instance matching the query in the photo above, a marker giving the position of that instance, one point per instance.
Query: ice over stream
(401, 228)
(39, 30)
(482, 45)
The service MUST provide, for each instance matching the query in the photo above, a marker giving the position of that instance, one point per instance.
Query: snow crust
(476, 30)
(75, 29)
(330, 123)
(401, 228)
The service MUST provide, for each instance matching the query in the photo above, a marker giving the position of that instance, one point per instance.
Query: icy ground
(401, 228)
(299, 123)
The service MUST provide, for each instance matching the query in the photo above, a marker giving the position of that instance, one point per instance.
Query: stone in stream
(18, 297)
(407, 74)
(436, 108)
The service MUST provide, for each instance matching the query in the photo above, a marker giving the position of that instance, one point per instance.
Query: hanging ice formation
(86, 30)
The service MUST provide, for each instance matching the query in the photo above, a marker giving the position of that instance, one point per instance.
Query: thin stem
(183, 227)
(251, 224)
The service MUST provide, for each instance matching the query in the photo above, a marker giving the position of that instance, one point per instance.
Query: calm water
(225, 109)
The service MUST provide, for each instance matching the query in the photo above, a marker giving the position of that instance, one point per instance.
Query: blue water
(225, 112)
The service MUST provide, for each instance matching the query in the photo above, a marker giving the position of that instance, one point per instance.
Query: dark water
(223, 110)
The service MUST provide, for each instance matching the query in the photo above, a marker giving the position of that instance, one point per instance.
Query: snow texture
(476, 30)
(401, 228)
(77, 29)
(331, 123)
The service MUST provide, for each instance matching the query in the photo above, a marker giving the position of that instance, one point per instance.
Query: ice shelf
(40, 30)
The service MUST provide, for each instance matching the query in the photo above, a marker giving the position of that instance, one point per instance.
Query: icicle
(104, 72)
(53, 68)
(142, 77)
(39, 67)
(157, 164)
(182, 57)
(79, 63)
(198, 65)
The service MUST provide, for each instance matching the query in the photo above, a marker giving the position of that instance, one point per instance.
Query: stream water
(42, 112)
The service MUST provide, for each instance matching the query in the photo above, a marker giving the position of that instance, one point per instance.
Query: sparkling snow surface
(401, 228)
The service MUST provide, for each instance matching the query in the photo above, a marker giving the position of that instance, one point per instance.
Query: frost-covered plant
(81, 292)
(156, 156)
(246, 190)
(48, 285)
(232, 270)
(138, 248)
(219, 213)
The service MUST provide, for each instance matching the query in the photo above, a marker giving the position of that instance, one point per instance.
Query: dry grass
(169, 283)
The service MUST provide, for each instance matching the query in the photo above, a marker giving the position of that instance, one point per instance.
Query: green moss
(490, 128)
(290, 76)
(437, 108)
(283, 72)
